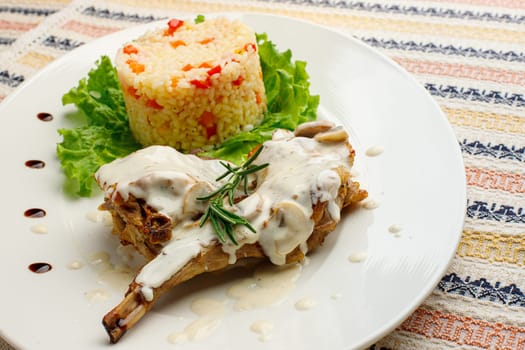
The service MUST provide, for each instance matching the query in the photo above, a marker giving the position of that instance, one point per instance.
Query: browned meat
(137, 223)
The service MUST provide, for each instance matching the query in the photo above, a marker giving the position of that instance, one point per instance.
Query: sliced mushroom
(310, 129)
(251, 206)
(191, 205)
(337, 134)
(289, 225)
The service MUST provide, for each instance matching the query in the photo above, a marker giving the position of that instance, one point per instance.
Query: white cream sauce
(395, 229)
(269, 285)
(208, 307)
(355, 172)
(126, 253)
(162, 177)
(357, 257)
(299, 175)
(374, 151)
(39, 228)
(99, 258)
(210, 312)
(263, 328)
(117, 276)
(75, 265)
(98, 216)
(304, 304)
(371, 203)
(196, 330)
(97, 295)
(94, 216)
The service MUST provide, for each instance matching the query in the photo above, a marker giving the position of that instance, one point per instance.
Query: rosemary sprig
(223, 220)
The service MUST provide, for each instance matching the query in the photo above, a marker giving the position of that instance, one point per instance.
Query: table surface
(469, 55)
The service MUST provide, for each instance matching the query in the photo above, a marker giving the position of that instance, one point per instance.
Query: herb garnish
(220, 217)
(199, 19)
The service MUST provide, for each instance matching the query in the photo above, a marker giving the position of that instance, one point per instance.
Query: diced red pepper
(258, 98)
(173, 25)
(205, 65)
(201, 84)
(249, 46)
(238, 81)
(215, 70)
(209, 122)
(177, 43)
(154, 104)
(133, 92)
(210, 131)
(129, 49)
(207, 119)
(206, 41)
(135, 66)
(187, 67)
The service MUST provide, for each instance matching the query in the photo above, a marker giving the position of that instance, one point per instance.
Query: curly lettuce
(106, 134)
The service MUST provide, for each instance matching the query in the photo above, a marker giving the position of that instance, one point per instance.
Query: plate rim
(425, 292)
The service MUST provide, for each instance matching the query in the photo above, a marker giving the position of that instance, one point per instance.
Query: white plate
(419, 182)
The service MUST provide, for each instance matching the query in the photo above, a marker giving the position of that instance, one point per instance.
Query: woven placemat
(469, 55)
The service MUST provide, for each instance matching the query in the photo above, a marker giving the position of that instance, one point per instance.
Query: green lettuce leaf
(289, 102)
(105, 137)
(199, 19)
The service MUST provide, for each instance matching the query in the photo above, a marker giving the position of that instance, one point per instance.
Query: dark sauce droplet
(45, 117)
(35, 213)
(35, 164)
(40, 267)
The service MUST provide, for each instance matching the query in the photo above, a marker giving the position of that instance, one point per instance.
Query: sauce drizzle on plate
(40, 267)
(44, 116)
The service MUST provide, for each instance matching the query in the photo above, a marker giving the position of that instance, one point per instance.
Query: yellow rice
(190, 85)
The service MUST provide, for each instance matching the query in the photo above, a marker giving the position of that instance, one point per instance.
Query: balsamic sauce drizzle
(40, 267)
(35, 213)
(44, 116)
(35, 164)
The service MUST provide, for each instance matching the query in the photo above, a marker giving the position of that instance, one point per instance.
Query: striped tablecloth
(470, 56)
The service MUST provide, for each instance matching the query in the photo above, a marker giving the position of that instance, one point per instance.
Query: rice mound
(190, 85)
